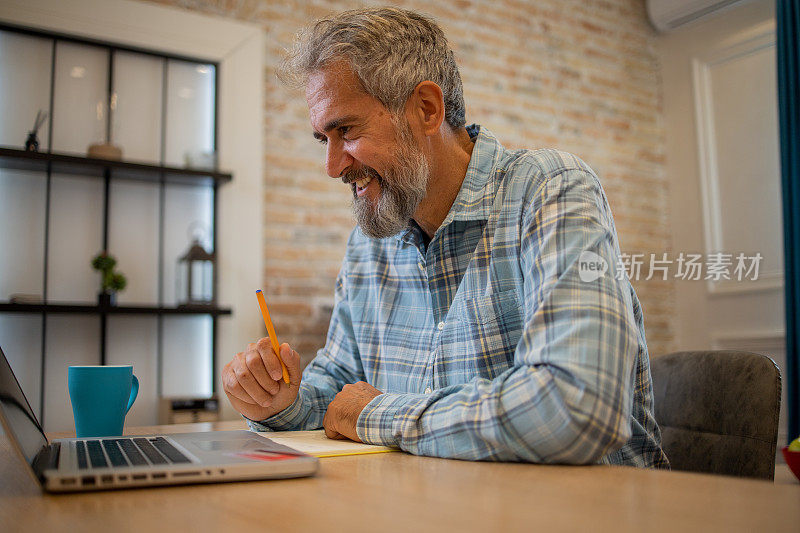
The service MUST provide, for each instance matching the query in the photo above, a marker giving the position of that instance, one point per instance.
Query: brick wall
(579, 75)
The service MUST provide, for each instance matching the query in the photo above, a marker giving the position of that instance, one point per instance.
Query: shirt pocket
(491, 326)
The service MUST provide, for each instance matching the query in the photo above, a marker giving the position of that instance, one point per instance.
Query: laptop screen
(17, 414)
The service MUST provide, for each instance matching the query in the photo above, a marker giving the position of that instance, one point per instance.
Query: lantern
(195, 276)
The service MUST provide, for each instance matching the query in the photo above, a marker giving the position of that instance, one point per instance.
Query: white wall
(239, 49)
(722, 163)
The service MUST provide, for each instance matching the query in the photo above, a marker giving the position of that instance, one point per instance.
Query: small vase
(107, 299)
(32, 143)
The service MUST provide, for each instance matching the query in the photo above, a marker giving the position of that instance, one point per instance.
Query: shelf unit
(15, 159)
(88, 309)
(49, 162)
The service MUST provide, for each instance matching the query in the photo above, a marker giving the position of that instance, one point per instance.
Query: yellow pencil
(271, 330)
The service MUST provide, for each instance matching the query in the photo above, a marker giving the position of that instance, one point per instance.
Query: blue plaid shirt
(486, 342)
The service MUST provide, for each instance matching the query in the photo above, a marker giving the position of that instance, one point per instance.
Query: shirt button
(440, 326)
(428, 390)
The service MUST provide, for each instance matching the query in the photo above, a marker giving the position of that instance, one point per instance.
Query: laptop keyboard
(96, 456)
(114, 453)
(81, 454)
(152, 454)
(132, 452)
(170, 452)
(128, 452)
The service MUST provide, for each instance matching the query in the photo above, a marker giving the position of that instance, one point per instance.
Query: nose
(337, 159)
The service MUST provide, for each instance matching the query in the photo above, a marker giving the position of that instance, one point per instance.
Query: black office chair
(718, 411)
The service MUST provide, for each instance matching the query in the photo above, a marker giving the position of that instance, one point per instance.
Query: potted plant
(111, 282)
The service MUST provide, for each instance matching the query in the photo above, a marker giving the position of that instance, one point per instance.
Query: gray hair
(390, 51)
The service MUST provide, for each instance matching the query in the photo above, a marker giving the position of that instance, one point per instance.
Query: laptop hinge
(46, 459)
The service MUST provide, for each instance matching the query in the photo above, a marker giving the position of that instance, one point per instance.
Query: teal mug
(101, 397)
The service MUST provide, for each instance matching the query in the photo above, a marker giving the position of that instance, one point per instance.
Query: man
(461, 326)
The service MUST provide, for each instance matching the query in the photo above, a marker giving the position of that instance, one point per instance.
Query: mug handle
(134, 393)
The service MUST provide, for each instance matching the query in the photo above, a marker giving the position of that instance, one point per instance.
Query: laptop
(73, 465)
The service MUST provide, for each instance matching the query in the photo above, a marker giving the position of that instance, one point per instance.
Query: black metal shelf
(51, 165)
(16, 159)
(80, 308)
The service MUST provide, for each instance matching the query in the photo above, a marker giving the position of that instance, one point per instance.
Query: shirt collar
(475, 198)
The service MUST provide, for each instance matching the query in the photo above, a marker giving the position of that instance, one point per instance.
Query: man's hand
(343, 412)
(254, 383)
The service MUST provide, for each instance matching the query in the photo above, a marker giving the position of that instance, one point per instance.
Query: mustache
(352, 176)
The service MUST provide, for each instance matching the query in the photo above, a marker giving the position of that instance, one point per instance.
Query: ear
(426, 107)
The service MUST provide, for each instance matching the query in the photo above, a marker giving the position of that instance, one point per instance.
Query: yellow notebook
(316, 443)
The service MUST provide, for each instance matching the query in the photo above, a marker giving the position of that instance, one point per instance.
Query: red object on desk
(268, 456)
(793, 460)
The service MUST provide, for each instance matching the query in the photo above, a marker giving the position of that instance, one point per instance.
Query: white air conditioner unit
(666, 15)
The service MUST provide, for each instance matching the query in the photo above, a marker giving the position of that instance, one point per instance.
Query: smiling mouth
(361, 179)
(362, 184)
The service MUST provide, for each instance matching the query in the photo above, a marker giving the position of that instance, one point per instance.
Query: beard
(403, 186)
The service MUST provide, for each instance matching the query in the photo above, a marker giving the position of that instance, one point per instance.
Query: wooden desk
(397, 491)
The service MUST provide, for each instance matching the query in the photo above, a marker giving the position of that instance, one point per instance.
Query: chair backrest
(718, 411)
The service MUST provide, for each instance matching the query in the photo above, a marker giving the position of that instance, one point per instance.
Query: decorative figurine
(32, 142)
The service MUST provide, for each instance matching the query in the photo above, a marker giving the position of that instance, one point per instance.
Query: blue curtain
(788, 24)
